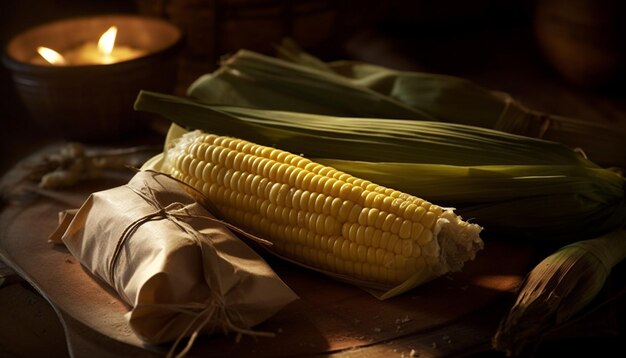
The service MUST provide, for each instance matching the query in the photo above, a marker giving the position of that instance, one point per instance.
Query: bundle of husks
(300, 82)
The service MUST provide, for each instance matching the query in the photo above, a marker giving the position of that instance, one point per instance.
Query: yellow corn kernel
(315, 214)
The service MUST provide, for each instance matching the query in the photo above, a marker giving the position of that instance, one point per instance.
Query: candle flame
(107, 41)
(51, 56)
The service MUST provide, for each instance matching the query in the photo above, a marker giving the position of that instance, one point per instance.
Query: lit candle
(90, 53)
(50, 56)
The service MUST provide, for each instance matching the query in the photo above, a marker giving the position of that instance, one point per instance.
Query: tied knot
(176, 212)
(173, 211)
(214, 311)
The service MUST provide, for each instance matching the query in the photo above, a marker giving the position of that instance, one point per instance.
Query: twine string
(214, 310)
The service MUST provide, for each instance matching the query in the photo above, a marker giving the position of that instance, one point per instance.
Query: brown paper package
(180, 269)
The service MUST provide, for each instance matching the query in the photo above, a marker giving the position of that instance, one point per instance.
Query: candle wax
(88, 54)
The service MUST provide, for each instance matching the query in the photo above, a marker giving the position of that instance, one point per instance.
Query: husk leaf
(558, 288)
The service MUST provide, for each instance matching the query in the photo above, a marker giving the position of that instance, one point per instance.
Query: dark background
(491, 42)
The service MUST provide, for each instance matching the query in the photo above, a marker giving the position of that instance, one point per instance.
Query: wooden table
(455, 315)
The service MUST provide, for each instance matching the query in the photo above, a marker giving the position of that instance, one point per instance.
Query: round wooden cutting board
(330, 316)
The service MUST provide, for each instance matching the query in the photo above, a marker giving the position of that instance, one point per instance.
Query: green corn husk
(558, 288)
(356, 138)
(523, 201)
(517, 187)
(302, 83)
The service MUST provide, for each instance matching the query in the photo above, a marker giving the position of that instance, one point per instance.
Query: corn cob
(321, 217)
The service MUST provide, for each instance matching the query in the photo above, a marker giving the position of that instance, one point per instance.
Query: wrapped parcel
(180, 269)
